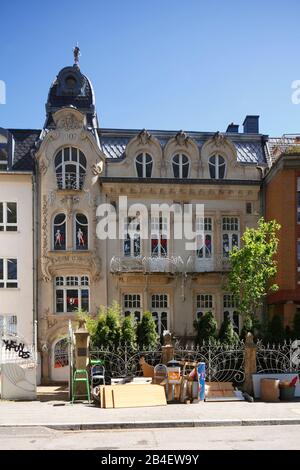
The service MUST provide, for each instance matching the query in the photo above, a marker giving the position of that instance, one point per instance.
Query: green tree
(108, 330)
(252, 267)
(147, 336)
(128, 332)
(227, 335)
(296, 325)
(275, 333)
(206, 328)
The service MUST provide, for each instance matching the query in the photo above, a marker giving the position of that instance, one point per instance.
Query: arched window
(70, 167)
(61, 355)
(181, 165)
(144, 164)
(59, 232)
(81, 232)
(217, 167)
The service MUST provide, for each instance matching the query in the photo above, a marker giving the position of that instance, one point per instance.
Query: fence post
(167, 349)
(249, 363)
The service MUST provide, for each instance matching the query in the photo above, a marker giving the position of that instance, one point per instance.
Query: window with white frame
(132, 306)
(217, 167)
(160, 312)
(230, 310)
(3, 159)
(298, 200)
(59, 232)
(204, 304)
(159, 236)
(204, 237)
(132, 238)
(81, 232)
(70, 168)
(8, 273)
(71, 293)
(230, 234)
(8, 217)
(8, 324)
(144, 164)
(181, 165)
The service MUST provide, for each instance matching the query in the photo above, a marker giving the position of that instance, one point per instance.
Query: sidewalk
(63, 415)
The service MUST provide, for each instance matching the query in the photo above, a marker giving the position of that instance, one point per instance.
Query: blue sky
(158, 64)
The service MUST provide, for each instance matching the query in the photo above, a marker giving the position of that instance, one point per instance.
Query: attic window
(71, 81)
(3, 160)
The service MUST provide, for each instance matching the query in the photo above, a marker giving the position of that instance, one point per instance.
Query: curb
(158, 424)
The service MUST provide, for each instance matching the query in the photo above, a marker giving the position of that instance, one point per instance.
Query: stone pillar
(167, 348)
(45, 364)
(82, 341)
(250, 363)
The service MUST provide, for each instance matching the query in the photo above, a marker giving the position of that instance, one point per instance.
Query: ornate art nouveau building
(79, 165)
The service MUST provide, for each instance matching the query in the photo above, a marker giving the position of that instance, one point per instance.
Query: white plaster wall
(19, 302)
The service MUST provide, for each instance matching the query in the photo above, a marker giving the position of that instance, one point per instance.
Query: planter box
(256, 378)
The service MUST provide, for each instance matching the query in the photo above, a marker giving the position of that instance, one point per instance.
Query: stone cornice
(128, 187)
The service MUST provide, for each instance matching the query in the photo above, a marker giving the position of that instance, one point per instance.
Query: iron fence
(223, 363)
(278, 358)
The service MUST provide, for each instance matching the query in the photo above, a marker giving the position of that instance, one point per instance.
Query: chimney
(251, 125)
(232, 128)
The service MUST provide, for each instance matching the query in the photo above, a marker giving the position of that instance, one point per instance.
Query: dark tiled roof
(24, 142)
(250, 152)
(114, 144)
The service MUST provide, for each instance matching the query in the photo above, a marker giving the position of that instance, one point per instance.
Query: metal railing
(172, 264)
(70, 180)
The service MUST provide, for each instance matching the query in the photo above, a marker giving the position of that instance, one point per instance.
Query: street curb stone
(158, 424)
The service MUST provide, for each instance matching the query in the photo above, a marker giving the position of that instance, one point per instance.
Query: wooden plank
(140, 395)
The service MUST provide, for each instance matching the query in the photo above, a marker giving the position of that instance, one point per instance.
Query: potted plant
(287, 389)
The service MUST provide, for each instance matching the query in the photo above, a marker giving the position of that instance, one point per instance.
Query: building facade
(80, 167)
(282, 202)
(17, 275)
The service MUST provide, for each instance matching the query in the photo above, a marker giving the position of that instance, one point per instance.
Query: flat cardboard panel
(140, 395)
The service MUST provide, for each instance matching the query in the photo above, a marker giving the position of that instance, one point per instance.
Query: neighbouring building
(17, 275)
(282, 202)
(80, 165)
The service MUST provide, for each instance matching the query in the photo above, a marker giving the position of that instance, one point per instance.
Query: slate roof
(24, 142)
(249, 152)
(114, 142)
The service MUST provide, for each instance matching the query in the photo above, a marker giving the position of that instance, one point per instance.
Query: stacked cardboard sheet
(222, 391)
(132, 395)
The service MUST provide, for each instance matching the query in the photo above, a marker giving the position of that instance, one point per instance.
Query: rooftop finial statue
(76, 52)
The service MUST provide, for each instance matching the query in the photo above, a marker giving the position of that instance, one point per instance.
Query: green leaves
(147, 337)
(206, 328)
(253, 266)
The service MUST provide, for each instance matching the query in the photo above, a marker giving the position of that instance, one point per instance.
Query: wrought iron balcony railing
(70, 180)
(173, 264)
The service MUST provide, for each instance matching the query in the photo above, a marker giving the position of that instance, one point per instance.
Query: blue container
(201, 379)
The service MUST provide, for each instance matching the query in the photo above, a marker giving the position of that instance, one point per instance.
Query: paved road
(240, 437)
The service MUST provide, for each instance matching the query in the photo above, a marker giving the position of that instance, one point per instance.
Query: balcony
(217, 263)
(147, 264)
(70, 180)
(173, 264)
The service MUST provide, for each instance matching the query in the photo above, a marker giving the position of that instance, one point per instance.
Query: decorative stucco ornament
(219, 140)
(97, 168)
(144, 137)
(182, 138)
(68, 122)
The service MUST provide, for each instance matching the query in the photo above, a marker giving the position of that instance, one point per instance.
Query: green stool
(80, 375)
